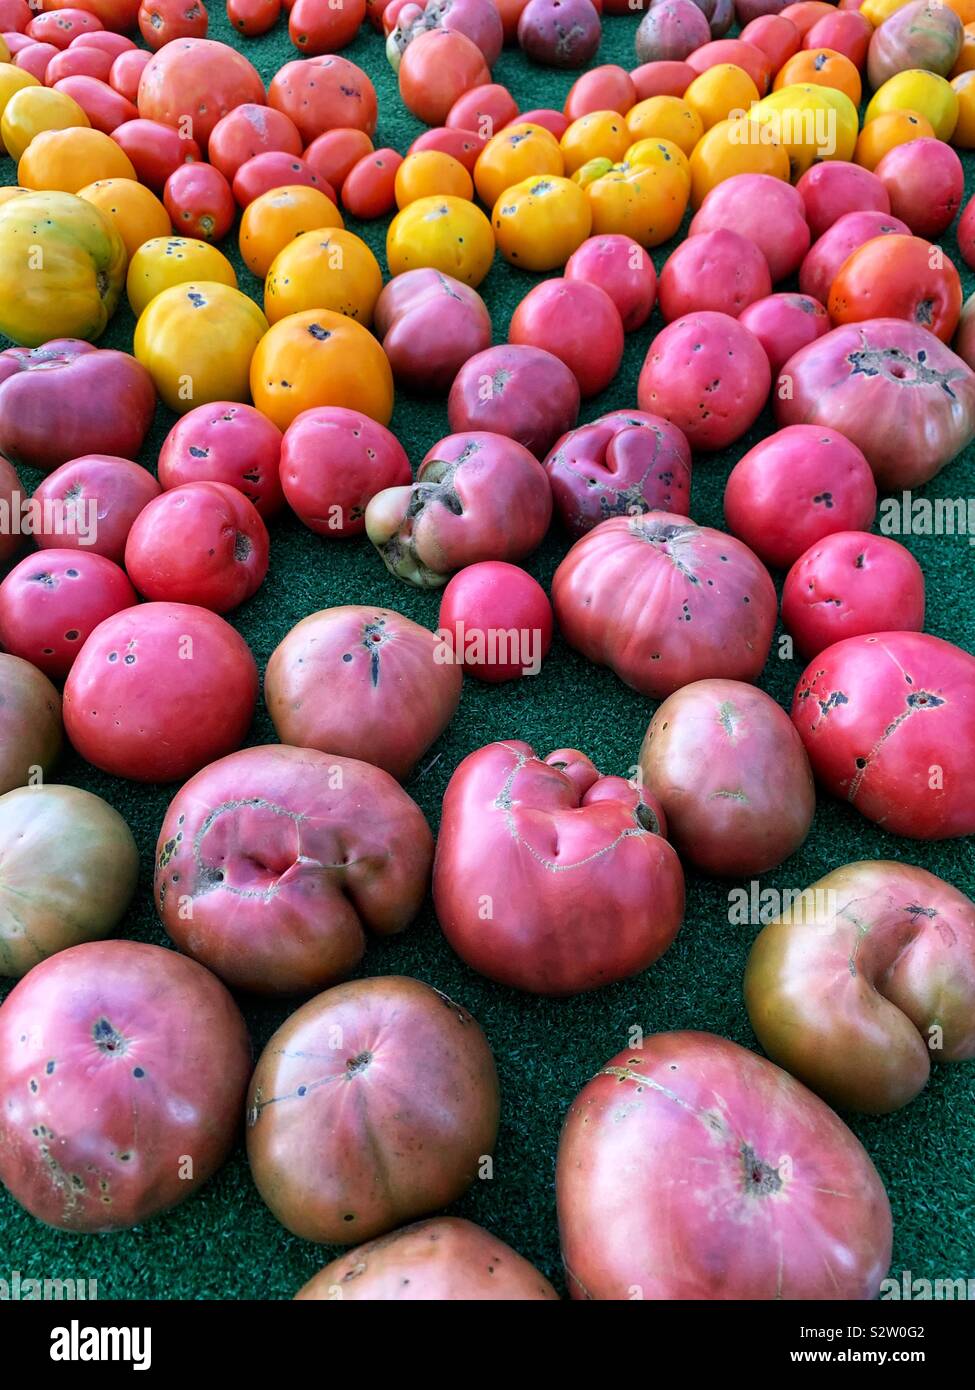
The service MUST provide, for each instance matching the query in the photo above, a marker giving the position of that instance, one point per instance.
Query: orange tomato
(600, 134)
(325, 269)
(277, 217)
(316, 359)
(539, 222)
(718, 92)
(898, 277)
(964, 132)
(884, 132)
(66, 160)
(738, 146)
(645, 196)
(515, 153)
(447, 234)
(824, 67)
(665, 118)
(34, 109)
(429, 173)
(964, 9)
(137, 213)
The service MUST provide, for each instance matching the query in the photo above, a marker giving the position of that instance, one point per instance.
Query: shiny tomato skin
(200, 202)
(335, 154)
(315, 28)
(925, 182)
(320, 94)
(369, 190)
(840, 240)
(495, 597)
(156, 151)
(623, 269)
(462, 145)
(59, 27)
(485, 109)
(783, 323)
(161, 21)
(78, 62)
(898, 277)
(606, 88)
(333, 461)
(126, 72)
(549, 317)
(201, 543)
(197, 80)
(253, 17)
(133, 718)
(112, 490)
(247, 131)
(226, 442)
(274, 169)
(51, 601)
(105, 108)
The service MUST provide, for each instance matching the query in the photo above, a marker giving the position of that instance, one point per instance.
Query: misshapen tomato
(430, 325)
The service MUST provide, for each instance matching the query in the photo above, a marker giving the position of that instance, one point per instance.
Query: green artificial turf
(224, 1243)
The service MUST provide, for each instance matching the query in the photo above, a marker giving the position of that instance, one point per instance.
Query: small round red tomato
(496, 621)
(437, 67)
(275, 169)
(199, 543)
(199, 201)
(925, 182)
(156, 151)
(161, 21)
(247, 131)
(91, 504)
(78, 62)
(606, 88)
(321, 94)
(105, 108)
(898, 277)
(126, 73)
(226, 442)
(486, 109)
(620, 266)
(316, 28)
(333, 462)
(783, 323)
(720, 270)
(253, 17)
(370, 187)
(549, 317)
(848, 584)
(59, 27)
(335, 154)
(462, 145)
(51, 601)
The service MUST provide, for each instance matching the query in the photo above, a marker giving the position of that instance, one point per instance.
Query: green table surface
(224, 1243)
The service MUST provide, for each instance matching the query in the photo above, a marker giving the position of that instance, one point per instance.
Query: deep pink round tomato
(363, 682)
(59, 27)
(766, 210)
(604, 88)
(200, 543)
(156, 151)
(126, 73)
(887, 723)
(620, 266)
(846, 32)
(834, 187)
(850, 231)
(253, 17)
(161, 21)
(719, 270)
(783, 323)
(78, 62)
(663, 601)
(90, 504)
(549, 317)
(117, 1061)
(315, 28)
(159, 690)
(15, 40)
(533, 396)
(274, 169)
(708, 375)
(925, 182)
(429, 325)
(51, 601)
(249, 130)
(226, 442)
(35, 58)
(333, 461)
(199, 201)
(105, 108)
(462, 145)
(795, 487)
(851, 583)
(486, 109)
(496, 620)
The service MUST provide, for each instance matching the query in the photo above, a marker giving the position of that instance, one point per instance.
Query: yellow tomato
(62, 266)
(136, 211)
(515, 153)
(34, 109)
(822, 67)
(884, 132)
(916, 90)
(645, 196)
(12, 80)
(737, 146)
(666, 118)
(810, 123)
(964, 9)
(173, 260)
(11, 190)
(4, 51)
(539, 222)
(277, 217)
(327, 269)
(879, 10)
(447, 234)
(69, 160)
(964, 133)
(599, 134)
(429, 173)
(719, 92)
(317, 359)
(196, 341)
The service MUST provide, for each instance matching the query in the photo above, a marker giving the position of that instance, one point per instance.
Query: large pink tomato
(365, 683)
(835, 187)
(888, 721)
(51, 601)
(430, 324)
(891, 387)
(197, 81)
(867, 979)
(622, 464)
(476, 497)
(374, 1104)
(730, 771)
(768, 211)
(525, 393)
(271, 863)
(663, 601)
(118, 1061)
(159, 690)
(333, 461)
(550, 877)
(620, 266)
(226, 442)
(720, 270)
(91, 503)
(690, 1168)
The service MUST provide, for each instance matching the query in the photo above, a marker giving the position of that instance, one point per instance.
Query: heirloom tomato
(444, 233)
(166, 261)
(539, 222)
(137, 214)
(175, 336)
(328, 269)
(273, 220)
(320, 358)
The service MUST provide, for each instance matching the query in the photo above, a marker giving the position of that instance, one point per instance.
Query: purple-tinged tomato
(524, 393)
(90, 503)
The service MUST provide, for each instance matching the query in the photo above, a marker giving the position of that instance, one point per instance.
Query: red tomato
(315, 27)
(104, 493)
(323, 93)
(274, 169)
(161, 21)
(155, 150)
(253, 17)
(200, 543)
(847, 33)
(194, 82)
(606, 88)
(51, 601)
(105, 108)
(496, 620)
(126, 73)
(463, 145)
(486, 109)
(898, 277)
(105, 42)
(226, 443)
(334, 155)
(552, 121)
(369, 188)
(549, 317)
(59, 27)
(125, 712)
(199, 201)
(249, 130)
(437, 67)
(78, 62)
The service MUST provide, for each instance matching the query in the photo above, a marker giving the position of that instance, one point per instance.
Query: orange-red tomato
(898, 277)
(606, 88)
(126, 73)
(845, 32)
(105, 108)
(438, 67)
(59, 28)
(370, 187)
(485, 110)
(335, 154)
(464, 145)
(322, 26)
(318, 359)
(274, 219)
(76, 62)
(664, 78)
(824, 68)
(161, 21)
(321, 94)
(253, 17)
(199, 201)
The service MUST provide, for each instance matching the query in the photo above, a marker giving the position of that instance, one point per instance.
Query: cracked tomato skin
(622, 464)
(860, 992)
(346, 1142)
(186, 697)
(891, 387)
(663, 601)
(740, 1183)
(333, 461)
(730, 771)
(362, 682)
(443, 1260)
(533, 397)
(286, 855)
(226, 442)
(548, 876)
(477, 496)
(117, 1061)
(888, 721)
(111, 490)
(430, 324)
